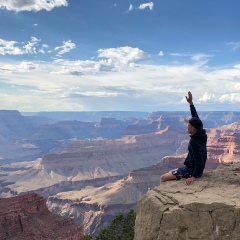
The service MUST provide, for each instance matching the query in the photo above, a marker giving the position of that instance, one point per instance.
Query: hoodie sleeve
(193, 111)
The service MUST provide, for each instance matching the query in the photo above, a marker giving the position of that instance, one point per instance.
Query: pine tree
(87, 237)
(121, 228)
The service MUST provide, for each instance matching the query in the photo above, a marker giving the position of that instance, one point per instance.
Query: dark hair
(196, 123)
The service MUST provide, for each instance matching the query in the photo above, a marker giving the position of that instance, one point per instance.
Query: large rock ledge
(208, 210)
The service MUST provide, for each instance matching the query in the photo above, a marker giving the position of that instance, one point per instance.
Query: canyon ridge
(93, 178)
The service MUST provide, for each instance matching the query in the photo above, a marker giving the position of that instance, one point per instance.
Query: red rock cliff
(26, 217)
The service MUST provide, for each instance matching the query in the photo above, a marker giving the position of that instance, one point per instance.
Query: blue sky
(97, 55)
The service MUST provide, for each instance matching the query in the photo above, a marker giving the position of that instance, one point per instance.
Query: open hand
(190, 180)
(189, 98)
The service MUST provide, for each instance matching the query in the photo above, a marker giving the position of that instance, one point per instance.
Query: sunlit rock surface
(207, 209)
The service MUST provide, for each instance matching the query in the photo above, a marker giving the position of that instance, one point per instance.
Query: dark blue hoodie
(197, 150)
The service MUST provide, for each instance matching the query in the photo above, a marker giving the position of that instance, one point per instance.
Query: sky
(123, 55)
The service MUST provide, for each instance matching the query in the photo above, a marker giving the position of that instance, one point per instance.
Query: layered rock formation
(27, 217)
(16, 144)
(95, 207)
(210, 119)
(224, 143)
(15, 126)
(142, 127)
(97, 204)
(110, 127)
(16, 152)
(26, 138)
(91, 116)
(207, 209)
(83, 161)
(85, 181)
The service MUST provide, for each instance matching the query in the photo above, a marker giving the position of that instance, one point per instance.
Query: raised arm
(189, 99)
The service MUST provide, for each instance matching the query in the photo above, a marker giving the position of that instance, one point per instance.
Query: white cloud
(78, 68)
(161, 53)
(145, 5)
(9, 47)
(42, 49)
(207, 97)
(66, 47)
(230, 97)
(15, 48)
(194, 57)
(26, 102)
(201, 57)
(237, 86)
(141, 7)
(28, 66)
(30, 47)
(122, 55)
(130, 8)
(234, 45)
(91, 94)
(32, 5)
(147, 87)
(21, 67)
(227, 76)
(179, 55)
(118, 75)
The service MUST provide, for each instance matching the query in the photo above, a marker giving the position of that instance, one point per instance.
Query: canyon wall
(82, 161)
(92, 181)
(27, 217)
(92, 202)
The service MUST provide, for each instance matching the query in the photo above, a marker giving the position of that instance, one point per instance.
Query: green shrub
(121, 228)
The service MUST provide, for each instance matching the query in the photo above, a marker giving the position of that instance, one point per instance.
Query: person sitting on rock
(195, 161)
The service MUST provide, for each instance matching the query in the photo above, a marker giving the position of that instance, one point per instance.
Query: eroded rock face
(27, 217)
(224, 143)
(95, 207)
(83, 161)
(208, 209)
(84, 180)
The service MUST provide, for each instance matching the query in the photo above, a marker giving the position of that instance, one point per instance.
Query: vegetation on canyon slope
(121, 228)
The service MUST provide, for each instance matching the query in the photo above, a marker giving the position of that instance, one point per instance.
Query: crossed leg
(167, 176)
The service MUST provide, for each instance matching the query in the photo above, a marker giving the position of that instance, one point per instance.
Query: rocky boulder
(209, 209)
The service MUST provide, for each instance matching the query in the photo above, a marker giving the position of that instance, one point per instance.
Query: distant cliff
(91, 160)
(84, 179)
(211, 119)
(13, 125)
(26, 138)
(209, 209)
(92, 116)
(27, 217)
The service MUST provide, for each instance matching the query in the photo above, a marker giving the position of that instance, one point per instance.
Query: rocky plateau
(209, 209)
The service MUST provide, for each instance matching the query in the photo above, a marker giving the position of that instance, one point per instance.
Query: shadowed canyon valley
(92, 166)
